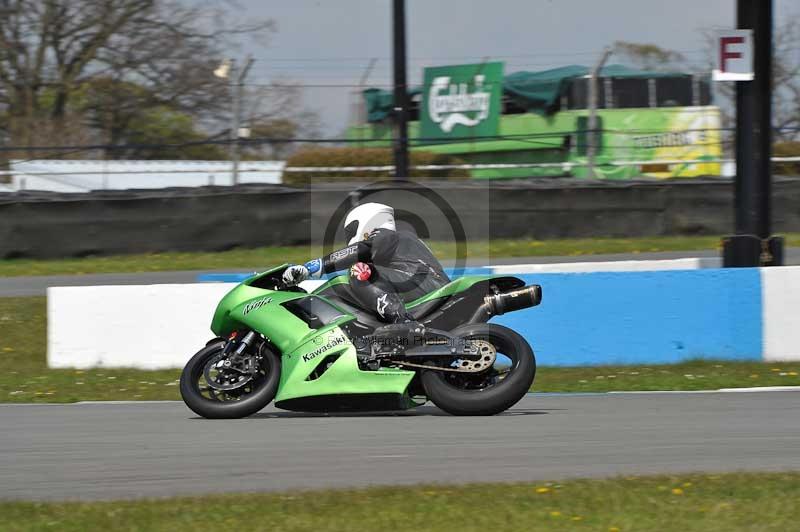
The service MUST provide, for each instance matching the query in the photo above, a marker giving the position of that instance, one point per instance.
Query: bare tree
(649, 56)
(786, 80)
(275, 117)
(111, 59)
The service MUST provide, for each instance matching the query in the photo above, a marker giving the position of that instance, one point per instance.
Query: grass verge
(263, 257)
(27, 378)
(690, 375)
(701, 502)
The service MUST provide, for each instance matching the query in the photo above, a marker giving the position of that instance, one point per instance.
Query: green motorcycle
(322, 352)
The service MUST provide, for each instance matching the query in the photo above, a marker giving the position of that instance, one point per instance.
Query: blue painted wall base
(653, 317)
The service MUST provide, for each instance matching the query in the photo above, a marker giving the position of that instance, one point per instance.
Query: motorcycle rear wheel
(489, 392)
(220, 405)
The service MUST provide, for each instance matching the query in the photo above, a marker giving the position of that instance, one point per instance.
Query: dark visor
(350, 230)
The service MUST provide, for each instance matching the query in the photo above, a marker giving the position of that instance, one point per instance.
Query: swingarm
(430, 349)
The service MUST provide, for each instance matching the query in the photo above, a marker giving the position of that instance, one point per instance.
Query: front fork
(235, 352)
(245, 342)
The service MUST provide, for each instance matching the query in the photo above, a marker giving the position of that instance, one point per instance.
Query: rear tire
(499, 396)
(211, 409)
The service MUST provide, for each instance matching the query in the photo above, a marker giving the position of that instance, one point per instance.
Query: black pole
(762, 126)
(753, 245)
(745, 186)
(400, 90)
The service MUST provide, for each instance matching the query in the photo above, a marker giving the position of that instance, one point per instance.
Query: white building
(86, 175)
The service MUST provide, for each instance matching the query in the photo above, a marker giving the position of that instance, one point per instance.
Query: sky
(331, 42)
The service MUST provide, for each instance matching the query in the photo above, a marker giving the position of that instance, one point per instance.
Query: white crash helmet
(366, 218)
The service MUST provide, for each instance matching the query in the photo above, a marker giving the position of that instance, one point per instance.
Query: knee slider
(360, 271)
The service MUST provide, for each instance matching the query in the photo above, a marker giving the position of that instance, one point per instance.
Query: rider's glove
(295, 274)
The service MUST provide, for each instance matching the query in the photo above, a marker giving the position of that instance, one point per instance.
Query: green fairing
(303, 348)
(283, 328)
(298, 342)
(453, 287)
(342, 377)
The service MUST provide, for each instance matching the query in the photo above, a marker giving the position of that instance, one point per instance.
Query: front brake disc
(225, 378)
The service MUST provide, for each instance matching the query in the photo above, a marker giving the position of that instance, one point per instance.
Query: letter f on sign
(725, 54)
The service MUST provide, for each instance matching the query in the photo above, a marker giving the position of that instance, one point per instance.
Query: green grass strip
(695, 502)
(269, 256)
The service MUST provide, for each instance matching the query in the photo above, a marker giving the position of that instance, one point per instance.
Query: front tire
(209, 407)
(462, 396)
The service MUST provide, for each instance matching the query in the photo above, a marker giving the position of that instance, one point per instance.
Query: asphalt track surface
(128, 450)
(24, 286)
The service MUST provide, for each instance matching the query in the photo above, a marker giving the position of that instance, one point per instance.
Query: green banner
(461, 101)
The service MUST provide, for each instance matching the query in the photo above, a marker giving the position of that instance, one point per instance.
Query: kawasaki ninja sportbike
(321, 352)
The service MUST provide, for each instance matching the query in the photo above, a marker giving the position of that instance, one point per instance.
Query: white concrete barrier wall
(78, 176)
(780, 296)
(147, 326)
(611, 266)
(161, 326)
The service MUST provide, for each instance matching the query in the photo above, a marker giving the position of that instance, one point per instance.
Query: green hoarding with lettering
(461, 101)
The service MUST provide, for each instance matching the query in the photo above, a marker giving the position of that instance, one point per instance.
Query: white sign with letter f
(734, 55)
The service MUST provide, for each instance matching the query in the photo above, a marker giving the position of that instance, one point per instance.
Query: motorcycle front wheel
(211, 389)
(489, 392)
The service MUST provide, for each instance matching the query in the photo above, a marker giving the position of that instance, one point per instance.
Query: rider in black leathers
(387, 267)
